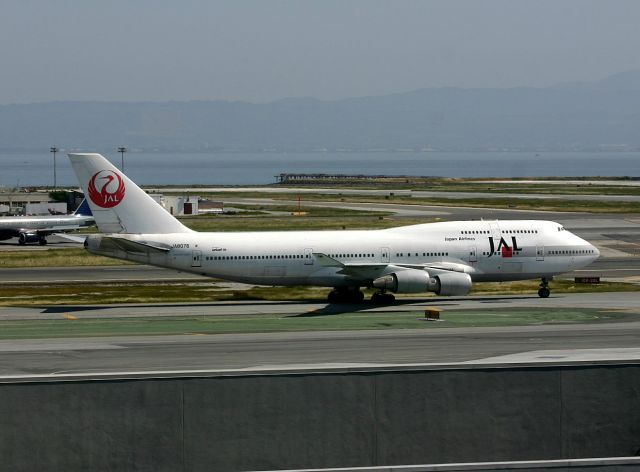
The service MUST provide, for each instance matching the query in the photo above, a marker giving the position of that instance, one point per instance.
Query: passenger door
(473, 255)
(308, 256)
(196, 259)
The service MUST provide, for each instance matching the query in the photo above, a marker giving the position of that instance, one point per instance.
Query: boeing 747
(444, 258)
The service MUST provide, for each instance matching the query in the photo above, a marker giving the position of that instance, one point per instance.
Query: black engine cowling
(24, 238)
(416, 281)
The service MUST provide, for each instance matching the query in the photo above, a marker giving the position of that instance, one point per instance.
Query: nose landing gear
(544, 290)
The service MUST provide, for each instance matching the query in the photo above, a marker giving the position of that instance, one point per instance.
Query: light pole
(54, 150)
(122, 150)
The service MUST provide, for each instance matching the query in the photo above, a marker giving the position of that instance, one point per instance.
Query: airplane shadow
(72, 308)
(338, 309)
(327, 310)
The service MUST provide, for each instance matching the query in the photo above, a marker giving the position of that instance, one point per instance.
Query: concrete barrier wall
(335, 419)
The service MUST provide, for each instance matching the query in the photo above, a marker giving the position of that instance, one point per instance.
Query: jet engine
(24, 238)
(453, 284)
(416, 281)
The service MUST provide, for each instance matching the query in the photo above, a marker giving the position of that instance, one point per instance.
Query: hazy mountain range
(603, 115)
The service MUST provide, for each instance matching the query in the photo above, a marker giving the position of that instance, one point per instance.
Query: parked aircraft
(445, 258)
(35, 229)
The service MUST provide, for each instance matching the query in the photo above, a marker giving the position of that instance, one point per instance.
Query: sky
(264, 50)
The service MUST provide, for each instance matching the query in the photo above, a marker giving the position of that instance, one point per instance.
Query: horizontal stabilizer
(71, 237)
(137, 246)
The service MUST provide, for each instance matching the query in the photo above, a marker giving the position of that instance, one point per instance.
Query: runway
(309, 349)
(278, 351)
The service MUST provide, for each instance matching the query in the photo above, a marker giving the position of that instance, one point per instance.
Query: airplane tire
(544, 292)
(345, 296)
(383, 298)
(42, 242)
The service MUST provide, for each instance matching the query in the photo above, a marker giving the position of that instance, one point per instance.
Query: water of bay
(36, 169)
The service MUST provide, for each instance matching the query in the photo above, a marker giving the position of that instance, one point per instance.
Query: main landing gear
(382, 298)
(354, 295)
(345, 295)
(544, 291)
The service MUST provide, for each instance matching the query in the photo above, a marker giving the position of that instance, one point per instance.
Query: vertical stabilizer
(119, 205)
(83, 209)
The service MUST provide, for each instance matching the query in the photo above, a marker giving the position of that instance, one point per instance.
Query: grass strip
(67, 257)
(539, 204)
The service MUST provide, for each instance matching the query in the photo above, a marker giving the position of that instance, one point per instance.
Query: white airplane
(445, 258)
(35, 229)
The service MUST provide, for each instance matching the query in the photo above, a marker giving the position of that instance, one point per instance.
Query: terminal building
(39, 202)
(35, 203)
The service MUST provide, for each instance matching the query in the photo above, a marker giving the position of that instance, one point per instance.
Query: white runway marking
(569, 355)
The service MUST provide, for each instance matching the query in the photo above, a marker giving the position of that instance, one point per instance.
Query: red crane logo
(111, 191)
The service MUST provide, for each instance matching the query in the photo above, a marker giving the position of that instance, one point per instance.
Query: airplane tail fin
(83, 209)
(119, 205)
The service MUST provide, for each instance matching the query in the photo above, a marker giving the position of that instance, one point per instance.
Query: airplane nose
(595, 251)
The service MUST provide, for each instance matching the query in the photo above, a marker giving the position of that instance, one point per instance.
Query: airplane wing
(372, 270)
(440, 267)
(361, 270)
